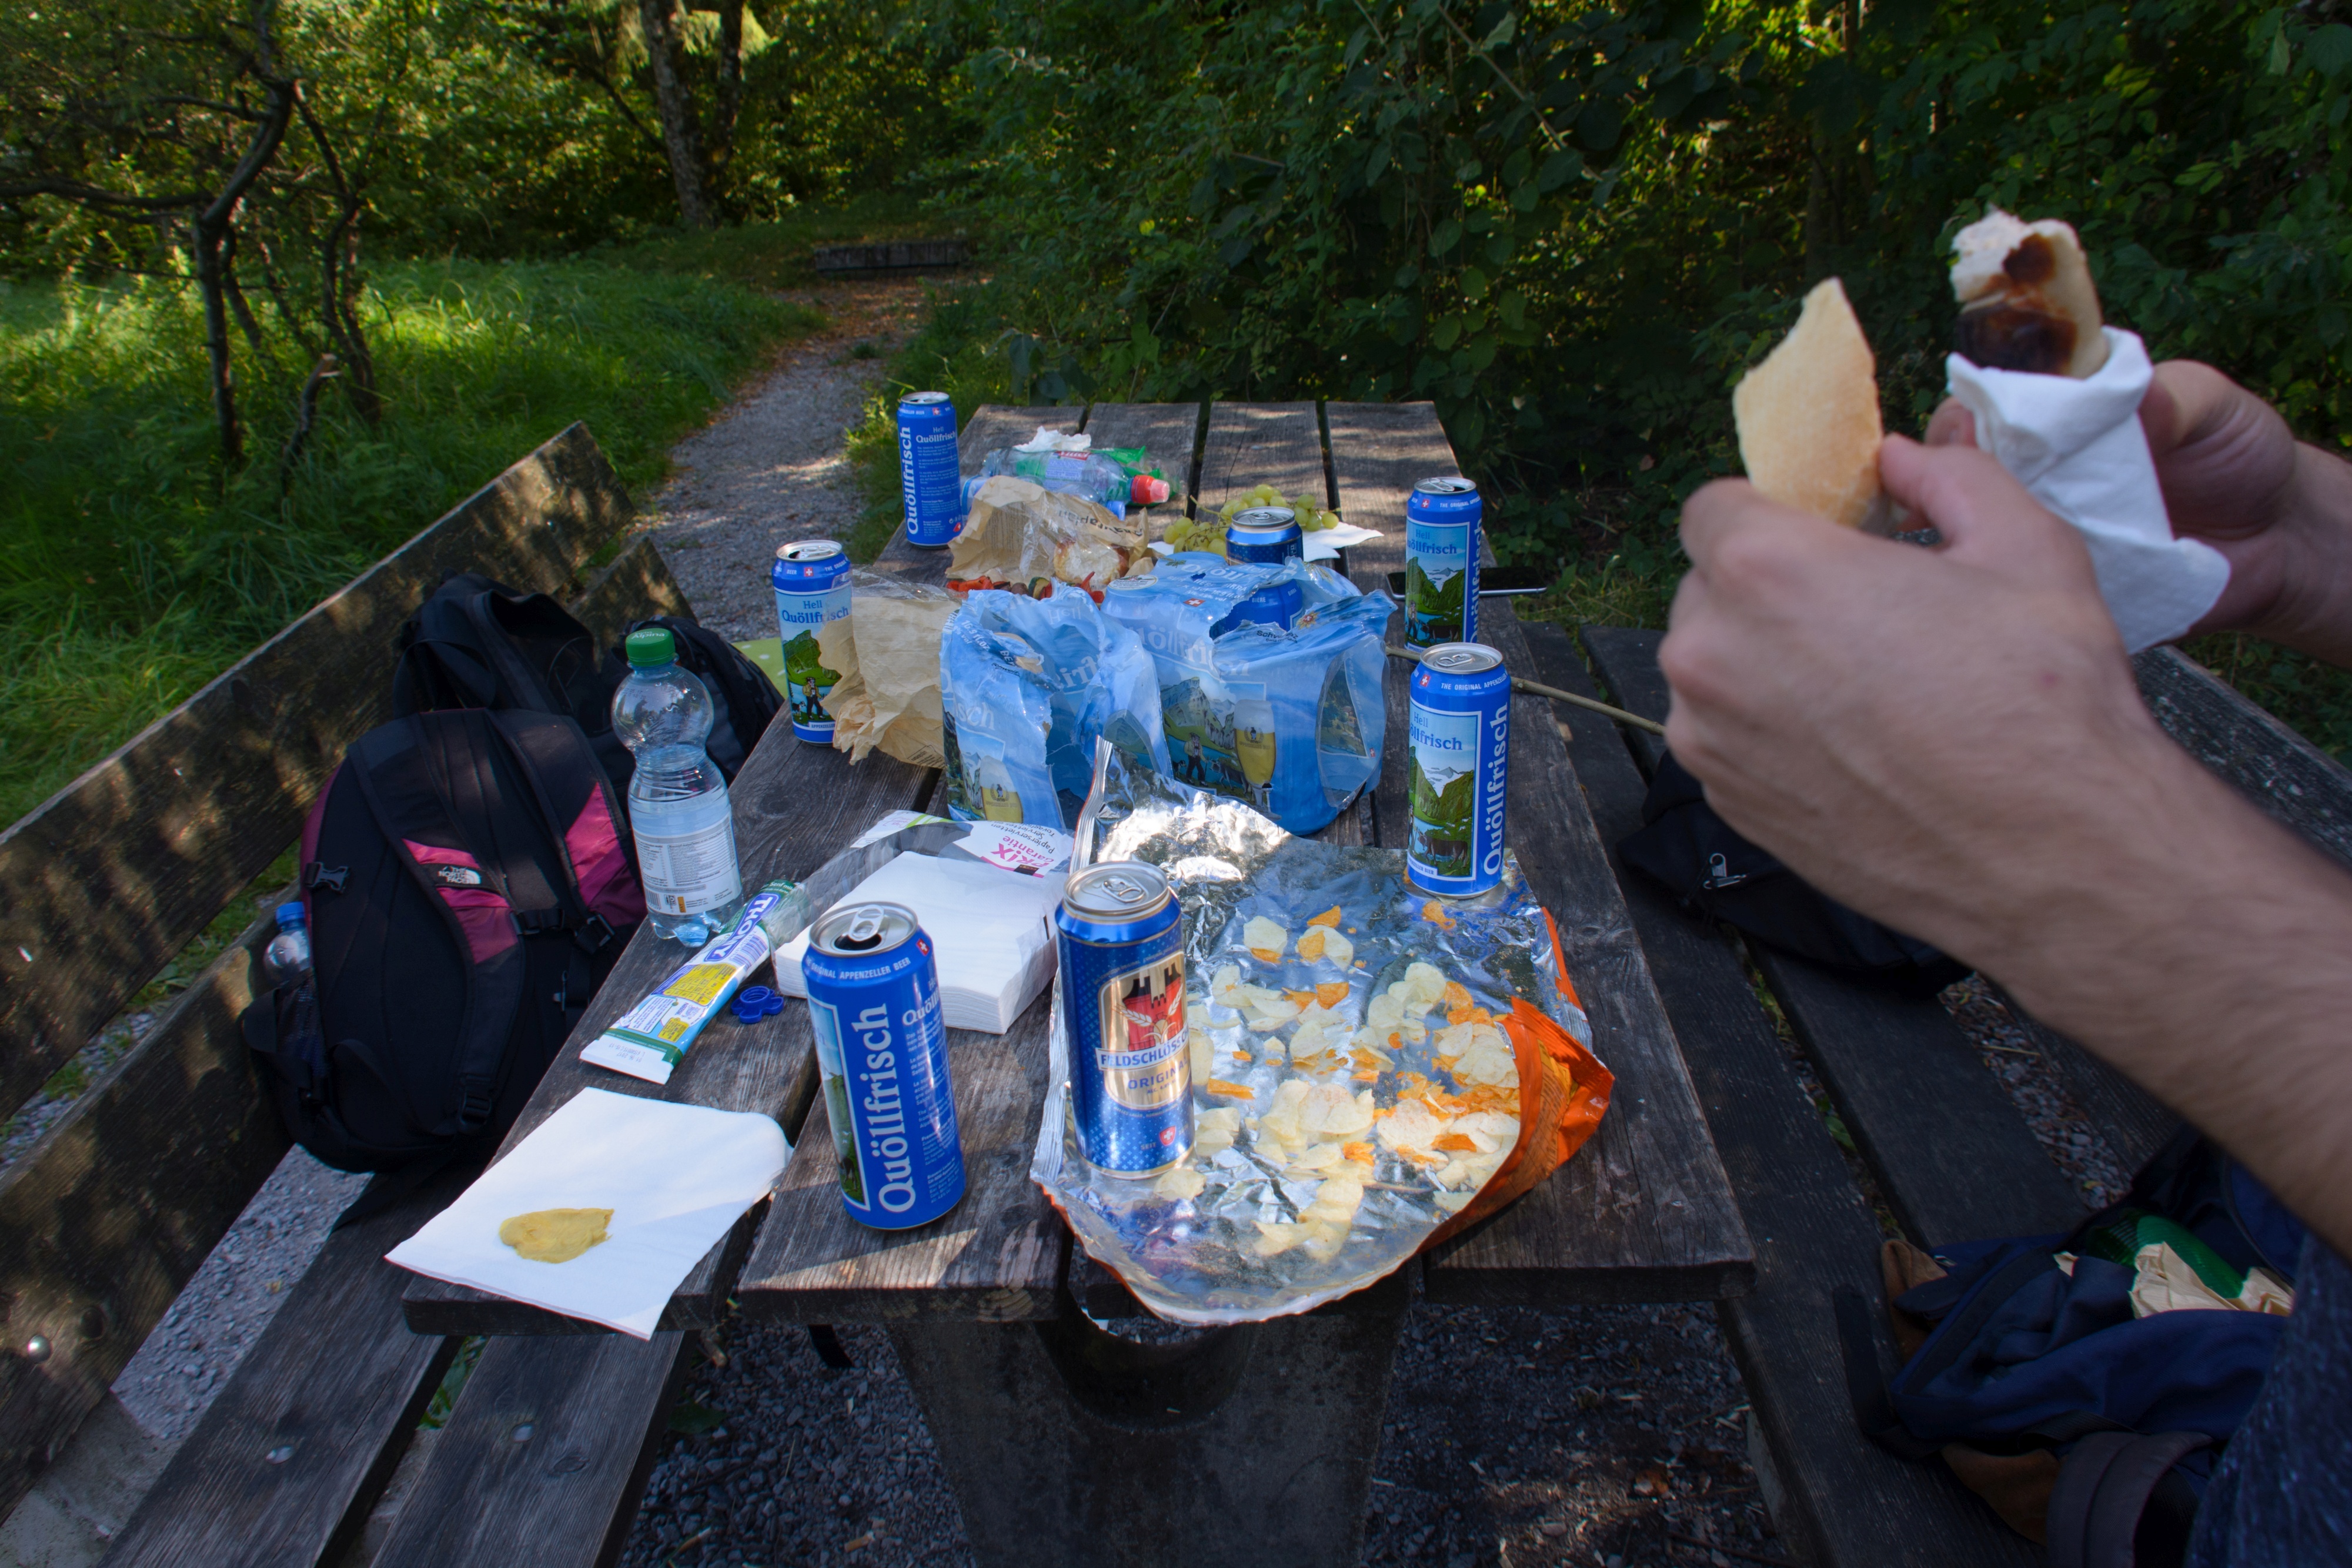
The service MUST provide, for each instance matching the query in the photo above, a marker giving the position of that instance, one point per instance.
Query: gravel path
(770, 467)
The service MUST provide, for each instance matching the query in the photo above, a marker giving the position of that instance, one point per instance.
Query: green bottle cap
(650, 646)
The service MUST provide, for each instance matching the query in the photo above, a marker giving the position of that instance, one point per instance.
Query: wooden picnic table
(1067, 1443)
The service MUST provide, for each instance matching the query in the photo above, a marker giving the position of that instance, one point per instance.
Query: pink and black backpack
(469, 884)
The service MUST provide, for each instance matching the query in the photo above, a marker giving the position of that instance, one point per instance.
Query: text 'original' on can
(812, 583)
(1441, 563)
(926, 469)
(1120, 938)
(1460, 721)
(882, 1053)
(1266, 534)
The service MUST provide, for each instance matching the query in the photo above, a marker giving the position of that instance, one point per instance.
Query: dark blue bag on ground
(2081, 1424)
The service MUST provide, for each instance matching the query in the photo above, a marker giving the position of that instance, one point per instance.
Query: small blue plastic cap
(289, 914)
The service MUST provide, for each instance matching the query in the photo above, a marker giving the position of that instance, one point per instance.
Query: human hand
(2234, 476)
(1936, 738)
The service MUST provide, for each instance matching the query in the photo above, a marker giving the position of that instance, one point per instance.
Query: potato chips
(555, 1235)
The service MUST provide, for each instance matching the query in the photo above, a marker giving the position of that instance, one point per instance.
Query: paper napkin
(2078, 446)
(675, 1176)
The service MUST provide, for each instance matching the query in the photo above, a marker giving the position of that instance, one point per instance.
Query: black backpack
(744, 699)
(477, 644)
(1711, 869)
(468, 886)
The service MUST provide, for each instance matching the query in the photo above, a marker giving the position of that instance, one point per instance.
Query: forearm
(2209, 956)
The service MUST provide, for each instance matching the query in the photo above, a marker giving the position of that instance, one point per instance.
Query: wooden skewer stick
(1532, 689)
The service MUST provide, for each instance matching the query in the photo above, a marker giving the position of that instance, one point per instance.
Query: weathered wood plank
(1847, 1502)
(2284, 775)
(796, 806)
(636, 584)
(1252, 443)
(1645, 1211)
(545, 1459)
(290, 1457)
(997, 1256)
(1953, 1158)
(107, 1217)
(109, 878)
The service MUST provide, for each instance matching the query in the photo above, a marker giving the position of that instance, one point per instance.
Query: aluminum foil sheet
(1258, 1240)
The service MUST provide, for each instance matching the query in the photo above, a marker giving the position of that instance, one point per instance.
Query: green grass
(132, 567)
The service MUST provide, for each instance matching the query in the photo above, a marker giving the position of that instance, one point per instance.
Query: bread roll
(2027, 302)
(1808, 416)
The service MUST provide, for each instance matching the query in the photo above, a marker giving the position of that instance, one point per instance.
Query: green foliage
(132, 572)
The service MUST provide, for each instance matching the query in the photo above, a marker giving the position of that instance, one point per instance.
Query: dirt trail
(772, 466)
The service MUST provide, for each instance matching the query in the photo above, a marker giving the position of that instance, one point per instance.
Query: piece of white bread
(2027, 302)
(1808, 416)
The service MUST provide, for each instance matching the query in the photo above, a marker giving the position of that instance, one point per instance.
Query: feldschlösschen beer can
(882, 1051)
(1268, 534)
(1441, 563)
(926, 469)
(1460, 715)
(1121, 937)
(812, 582)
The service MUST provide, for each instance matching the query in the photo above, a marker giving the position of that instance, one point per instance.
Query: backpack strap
(1866, 1382)
(2112, 1487)
(495, 976)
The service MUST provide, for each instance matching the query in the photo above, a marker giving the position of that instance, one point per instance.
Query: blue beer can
(812, 583)
(1119, 935)
(1460, 715)
(882, 1054)
(1441, 563)
(1268, 534)
(1275, 604)
(926, 469)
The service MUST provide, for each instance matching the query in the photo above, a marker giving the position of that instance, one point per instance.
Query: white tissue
(2078, 446)
(1049, 439)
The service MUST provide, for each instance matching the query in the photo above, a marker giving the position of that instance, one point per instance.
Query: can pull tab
(864, 932)
(1721, 875)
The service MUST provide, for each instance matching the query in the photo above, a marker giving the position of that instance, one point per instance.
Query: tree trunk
(681, 136)
(730, 105)
(212, 233)
(338, 274)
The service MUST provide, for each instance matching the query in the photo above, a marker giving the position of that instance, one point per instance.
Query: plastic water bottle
(288, 960)
(1102, 480)
(679, 809)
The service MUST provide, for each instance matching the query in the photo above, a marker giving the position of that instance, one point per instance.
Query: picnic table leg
(1068, 1444)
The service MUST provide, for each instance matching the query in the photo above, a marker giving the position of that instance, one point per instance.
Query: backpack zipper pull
(1720, 873)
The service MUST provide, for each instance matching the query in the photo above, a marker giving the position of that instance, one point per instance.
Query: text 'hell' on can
(1267, 534)
(1121, 939)
(882, 1053)
(1441, 563)
(812, 582)
(926, 469)
(1460, 715)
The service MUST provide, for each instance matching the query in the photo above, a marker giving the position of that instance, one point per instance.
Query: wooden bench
(1945, 1150)
(107, 1217)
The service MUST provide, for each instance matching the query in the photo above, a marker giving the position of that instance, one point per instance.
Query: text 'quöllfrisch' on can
(928, 469)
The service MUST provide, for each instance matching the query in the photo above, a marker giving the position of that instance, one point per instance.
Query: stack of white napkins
(675, 1176)
(992, 932)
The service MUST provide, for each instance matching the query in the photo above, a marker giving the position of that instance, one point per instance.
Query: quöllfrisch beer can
(926, 469)
(1460, 713)
(1268, 534)
(812, 583)
(1121, 939)
(1441, 563)
(882, 1053)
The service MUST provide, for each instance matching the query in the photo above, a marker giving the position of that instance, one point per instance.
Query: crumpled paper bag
(2078, 446)
(888, 652)
(1019, 533)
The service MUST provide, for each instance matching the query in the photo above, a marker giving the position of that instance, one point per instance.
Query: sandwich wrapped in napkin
(2056, 395)
(886, 650)
(1371, 1070)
